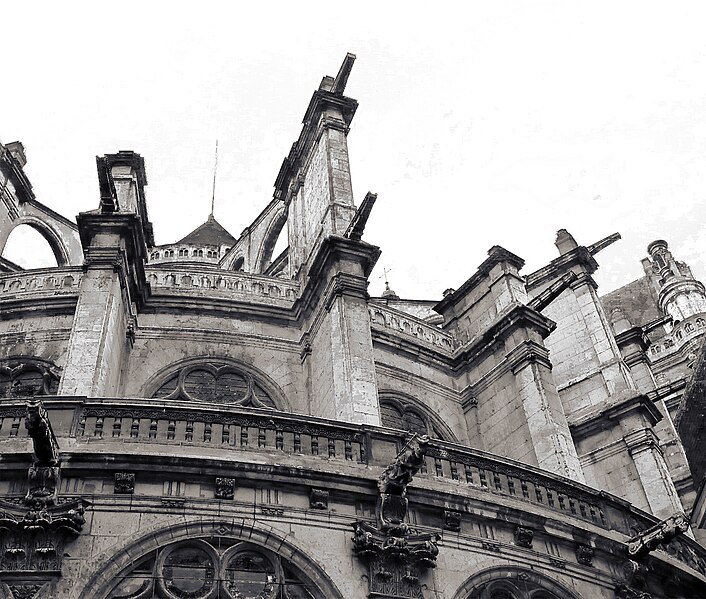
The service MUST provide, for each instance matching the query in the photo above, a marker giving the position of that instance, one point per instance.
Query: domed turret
(679, 294)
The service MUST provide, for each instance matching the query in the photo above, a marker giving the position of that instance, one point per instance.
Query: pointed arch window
(401, 413)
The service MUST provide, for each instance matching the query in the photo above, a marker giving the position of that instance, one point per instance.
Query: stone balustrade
(52, 281)
(223, 284)
(391, 321)
(109, 423)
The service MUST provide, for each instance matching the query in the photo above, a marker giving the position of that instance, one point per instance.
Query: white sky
(479, 123)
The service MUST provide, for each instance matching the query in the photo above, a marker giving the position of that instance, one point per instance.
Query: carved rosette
(124, 483)
(318, 499)
(452, 520)
(225, 488)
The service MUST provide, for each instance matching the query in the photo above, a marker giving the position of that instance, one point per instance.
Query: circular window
(188, 572)
(250, 575)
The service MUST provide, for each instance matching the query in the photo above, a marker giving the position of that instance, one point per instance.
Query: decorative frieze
(489, 545)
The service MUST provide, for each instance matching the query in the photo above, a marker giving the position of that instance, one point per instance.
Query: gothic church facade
(205, 419)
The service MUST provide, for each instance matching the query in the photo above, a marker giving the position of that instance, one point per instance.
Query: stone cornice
(642, 439)
(580, 256)
(527, 352)
(514, 317)
(634, 335)
(321, 282)
(128, 227)
(496, 255)
(608, 416)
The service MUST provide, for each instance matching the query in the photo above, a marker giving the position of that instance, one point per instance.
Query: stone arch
(273, 390)
(270, 240)
(52, 237)
(523, 577)
(114, 562)
(405, 403)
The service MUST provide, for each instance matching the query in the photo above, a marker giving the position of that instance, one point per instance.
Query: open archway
(275, 240)
(26, 244)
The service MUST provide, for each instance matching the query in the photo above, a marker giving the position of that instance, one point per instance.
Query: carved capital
(33, 541)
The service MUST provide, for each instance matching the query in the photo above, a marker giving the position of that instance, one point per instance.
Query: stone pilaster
(337, 348)
(114, 239)
(515, 406)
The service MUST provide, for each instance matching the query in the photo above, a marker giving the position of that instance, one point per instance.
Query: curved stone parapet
(45, 281)
(218, 283)
(397, 323)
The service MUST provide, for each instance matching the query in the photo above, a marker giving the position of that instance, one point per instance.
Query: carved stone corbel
(32, 540)
(395, 556)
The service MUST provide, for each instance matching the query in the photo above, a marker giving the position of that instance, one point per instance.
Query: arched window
(511, 583)
(239, 263)
(27, 377)
(215, 382)
(401, 413)
(213, 567)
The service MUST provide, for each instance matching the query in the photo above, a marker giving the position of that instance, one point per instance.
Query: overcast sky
(479, 123)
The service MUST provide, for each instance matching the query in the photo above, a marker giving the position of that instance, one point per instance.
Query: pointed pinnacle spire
(213, 192)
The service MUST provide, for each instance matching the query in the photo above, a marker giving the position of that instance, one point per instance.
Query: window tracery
(215, 383)
(400, 414)
(213, 568)
(512, 583)
(27, 377)
(517, 588)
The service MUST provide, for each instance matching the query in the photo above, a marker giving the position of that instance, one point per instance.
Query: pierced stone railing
(395, 322)
(226, 284)
(53, 281)
(108, 424)
(179, 423)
